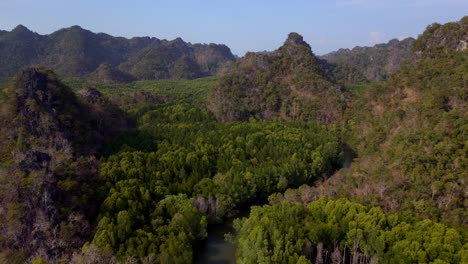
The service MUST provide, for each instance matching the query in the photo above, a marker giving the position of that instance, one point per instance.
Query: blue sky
(243, 25)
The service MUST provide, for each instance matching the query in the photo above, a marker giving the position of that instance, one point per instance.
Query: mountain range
(102, 58)
(376, 63)
(75, 51)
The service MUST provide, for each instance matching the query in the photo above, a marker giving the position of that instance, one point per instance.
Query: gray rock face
(49, 140)
(462, 46)
(296, 40)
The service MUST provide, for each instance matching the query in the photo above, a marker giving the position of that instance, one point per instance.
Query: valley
(152, 151)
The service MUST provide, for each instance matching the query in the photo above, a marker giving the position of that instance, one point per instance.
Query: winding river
(215, 249)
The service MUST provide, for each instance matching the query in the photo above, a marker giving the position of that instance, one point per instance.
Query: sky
(243, 25)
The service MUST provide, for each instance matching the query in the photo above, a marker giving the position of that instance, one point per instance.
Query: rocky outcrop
(289, 83)
(448, 37)
(49, 140)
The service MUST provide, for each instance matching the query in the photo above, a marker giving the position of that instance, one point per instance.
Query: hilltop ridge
(289, 83)
(75, 51)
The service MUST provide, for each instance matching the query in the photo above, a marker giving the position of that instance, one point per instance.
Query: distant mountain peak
(178, 40)
(295, 39)
(296, 46)
(376, 63)
(76, 27)
(272, 85)
(20, 29)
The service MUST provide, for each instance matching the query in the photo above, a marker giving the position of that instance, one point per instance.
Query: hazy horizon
(242, 26)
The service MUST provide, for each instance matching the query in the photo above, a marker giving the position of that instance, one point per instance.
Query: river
(215, 249)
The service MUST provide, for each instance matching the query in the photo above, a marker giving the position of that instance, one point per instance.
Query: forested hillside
(287, 84)
(75, 51)
(409, 134)
(381, 61)
(48, 168)
(376, 63)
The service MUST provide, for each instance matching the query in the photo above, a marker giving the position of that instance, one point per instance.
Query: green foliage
(288, 84)
(160, 183)
(439, 38)
(332, 230)
(106, 73)
(444, 71)
(413, 142)
(165, 227)
(140, 95)
(221, 166)
(410, 136)
(38, 260)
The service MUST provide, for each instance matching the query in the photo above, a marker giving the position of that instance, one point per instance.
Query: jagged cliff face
(47, 166)
(286, 84)
(78, 52)
(37, 110)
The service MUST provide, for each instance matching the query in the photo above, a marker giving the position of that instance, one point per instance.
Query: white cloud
(377, 37)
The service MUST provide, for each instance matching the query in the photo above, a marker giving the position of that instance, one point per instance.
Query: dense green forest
(108, 169)
(340, 231)
(180, 150)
